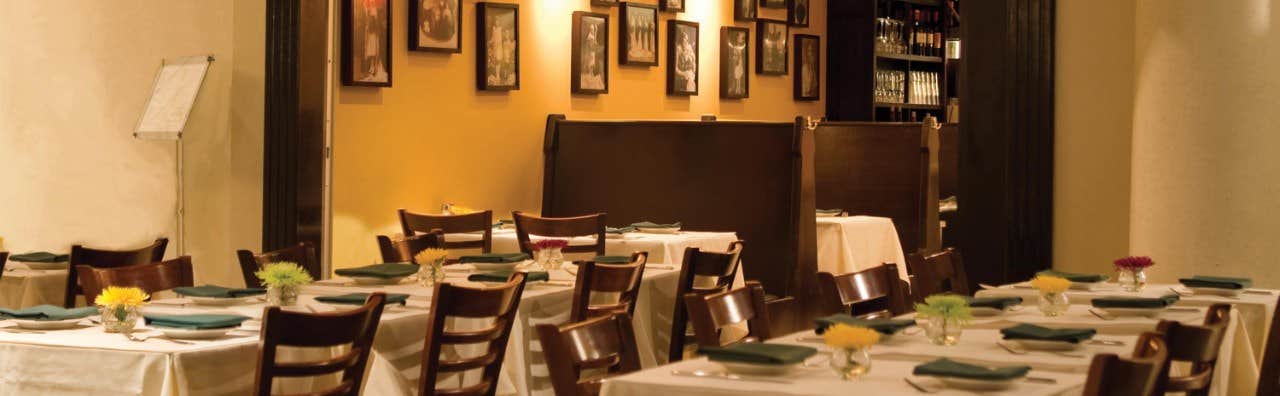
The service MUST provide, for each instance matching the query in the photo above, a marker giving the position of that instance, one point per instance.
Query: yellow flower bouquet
(1050, 284)
(119, 307)
(1053, 299)
(432, 266)
(850, 357)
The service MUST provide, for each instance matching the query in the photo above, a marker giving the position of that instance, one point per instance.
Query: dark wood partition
(753, 178)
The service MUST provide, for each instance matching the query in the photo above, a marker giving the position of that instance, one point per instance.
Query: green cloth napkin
(830, 211)
(39, 257)
(949, 368)
(759, 353)
(612, 259)
(502, 276)
(195, 321)
(883, 326)
(385, 271)
(494, 258)
(218, 291)
(1074, 277)
(1032, 332)
(619, 230)
(648, 224)
(1217, 282)
(359, 298)
(1135, 302)
(47, 312)
(1000, 303)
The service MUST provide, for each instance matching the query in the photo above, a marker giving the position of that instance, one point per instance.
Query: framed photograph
(638, 39)
(497, 46)
(798, 13)
(366, 43)
(746, 10)
(682, 55)
(590, 53)
(435, 25)
(607, 3)
(808, 73)
(672, 5)
(734, 69)
(773, 3)
(771, 47)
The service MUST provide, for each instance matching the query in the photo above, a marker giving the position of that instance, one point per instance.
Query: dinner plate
(496, 266)
(48, 266)
(221, 301)
(1214, 291)
(1146, 312)
(371, 280)
(769, 370)
(662, 230)
(194, 334)
(977, 384)
(1046, 345)
(47, 324)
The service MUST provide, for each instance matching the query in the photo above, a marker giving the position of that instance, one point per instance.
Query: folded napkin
(883, 326)
(218, 291)
(1032, 332)
(359, 298)
(1135, 302)
(647, 224)
(39, 257)
(612, 259)
(830, 211)
(759, 353)
(619, 230)
(385, 271)
(502, 276)
(1000, 303)
(494, 258)
(47, 312)
(949, 368)
(1217, 282)
(195, 321)
(1074, 277)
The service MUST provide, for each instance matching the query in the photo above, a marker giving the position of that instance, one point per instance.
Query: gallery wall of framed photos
(462, 89)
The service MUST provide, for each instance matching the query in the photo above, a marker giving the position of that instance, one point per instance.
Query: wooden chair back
(101, 258)
(499, 302)
(622, 279)
(720, 267)
(299, 329)
(303, 254)
(711, 313)
(4, 257)
(1197, 345)
(413, 223)
(941, 272)
(605, 345)
(1269, 374)
(874, 292)
(1111, 375)
(150, 278)
(403, 250)
(561, 227)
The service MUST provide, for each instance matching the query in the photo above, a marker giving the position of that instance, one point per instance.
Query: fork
(144, 339)
(919, 387)
(1100, 315)
(1021, 351)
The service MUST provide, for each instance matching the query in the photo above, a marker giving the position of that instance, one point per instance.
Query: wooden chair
(561, 227)
(150, 278)
(414, 223)
(605, 345)
(1269, 374)
(4, 257)
(1197, 345)
(298, 329)
(719, 267)
(403, 250)
(623, 279)
(303, 254)
(100, 258)
(499, 302)
(874, 292)
(711, 313)
(1111, 375)
(941, 272)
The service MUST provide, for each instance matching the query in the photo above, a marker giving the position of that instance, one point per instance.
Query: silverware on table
(1024, 351)
(1175, 291)
(1101, 315)
(131, 337)
(1106, 342)
(1040, 380)
(1256, 291)
(726, 376)
(919, 387)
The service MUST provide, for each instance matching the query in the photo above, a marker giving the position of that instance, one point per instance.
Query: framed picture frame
(735, 66)
(637, 34)
(682, 58)
(589, 64)
(798, 13)
(672, 5)
(497, 46)
(366, 43)
(746, 10)
(435, 26)
(773, 3)
(771, 47)
(605, 3)
(808, 75)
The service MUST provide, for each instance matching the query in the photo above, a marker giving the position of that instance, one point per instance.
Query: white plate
(1213, 291)
(221, 301)
(977, 384)
(194, 334)
(495, 266)
(47, 324)
(1147, 312)
(369, 280)
(986, 311)
(48, 266)
(665, 230)
(1046, 345)
(759, 369)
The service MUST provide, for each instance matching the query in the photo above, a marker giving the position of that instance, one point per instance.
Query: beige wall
(432, 138)
(73, 79)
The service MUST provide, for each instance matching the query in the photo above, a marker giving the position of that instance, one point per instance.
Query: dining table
(22, 286)
(855, 243)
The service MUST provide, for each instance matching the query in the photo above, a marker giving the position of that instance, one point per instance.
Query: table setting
(34, 278)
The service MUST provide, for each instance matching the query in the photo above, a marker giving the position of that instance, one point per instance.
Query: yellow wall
(432, 138)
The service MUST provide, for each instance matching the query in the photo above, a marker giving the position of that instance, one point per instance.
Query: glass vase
(850, 363)
(282, 296)
(540, 259)
(119, 318)
(555, 258)
(1132, 279)
(1054, 304)
(431, 274)
(943, 331)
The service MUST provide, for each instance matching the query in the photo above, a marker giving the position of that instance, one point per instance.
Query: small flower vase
(850, 363)
(1054, 304)
(431, 274)
(119, 318)
(1132, 279)
(541, 257)
(282, 296)
(942, 331)
(555, 258)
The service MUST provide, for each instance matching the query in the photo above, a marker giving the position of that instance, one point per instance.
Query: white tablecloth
(855, 243)
(21, 287)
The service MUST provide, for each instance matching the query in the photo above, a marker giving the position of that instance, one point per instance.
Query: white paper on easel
(172, 96)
